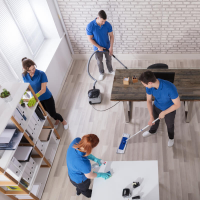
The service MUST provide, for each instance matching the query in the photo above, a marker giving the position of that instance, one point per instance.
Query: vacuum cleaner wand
(116, 59)
(88, 64)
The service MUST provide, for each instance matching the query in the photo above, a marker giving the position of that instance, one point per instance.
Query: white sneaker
(146, 134)
(113, 73)
(170, 142)
(66, 126)
(56, 126)
(101, 76)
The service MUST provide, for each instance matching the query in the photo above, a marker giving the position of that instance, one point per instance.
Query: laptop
(168, 76)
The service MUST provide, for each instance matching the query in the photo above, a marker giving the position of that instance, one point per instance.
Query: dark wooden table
(187, 82)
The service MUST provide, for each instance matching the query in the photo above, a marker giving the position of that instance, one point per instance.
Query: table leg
(188, 110)
(127, 108)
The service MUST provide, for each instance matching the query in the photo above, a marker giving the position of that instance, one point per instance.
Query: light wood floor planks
(179, 167)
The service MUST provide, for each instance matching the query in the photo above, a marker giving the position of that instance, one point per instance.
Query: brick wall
(140, 26)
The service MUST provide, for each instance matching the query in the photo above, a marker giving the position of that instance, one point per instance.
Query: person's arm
(111, 43)
(94, 43)
(91, 175)
(150, 109)
(176, 105)
(43, 88)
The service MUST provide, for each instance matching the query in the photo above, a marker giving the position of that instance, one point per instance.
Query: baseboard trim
(144, 56)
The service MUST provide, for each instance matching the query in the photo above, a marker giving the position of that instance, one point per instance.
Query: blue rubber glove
(103, 175)
(93, 158)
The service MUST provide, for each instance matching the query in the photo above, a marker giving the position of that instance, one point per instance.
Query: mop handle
(142, 129)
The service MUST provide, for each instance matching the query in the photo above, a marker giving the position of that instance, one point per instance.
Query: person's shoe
(66, 126)
(146, 134)
(170, 142)
(101, 76)
(56, 126)
(113, 73)
(78, 193)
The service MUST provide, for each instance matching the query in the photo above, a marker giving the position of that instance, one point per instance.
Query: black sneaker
(78, 193)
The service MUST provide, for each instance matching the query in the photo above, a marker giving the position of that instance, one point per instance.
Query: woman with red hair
(79, 167)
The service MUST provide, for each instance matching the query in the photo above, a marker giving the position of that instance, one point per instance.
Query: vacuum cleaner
(94, 95)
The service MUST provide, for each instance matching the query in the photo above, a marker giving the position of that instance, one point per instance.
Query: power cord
(105, 109)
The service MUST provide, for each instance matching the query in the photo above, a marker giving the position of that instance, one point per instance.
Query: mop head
(123, 143)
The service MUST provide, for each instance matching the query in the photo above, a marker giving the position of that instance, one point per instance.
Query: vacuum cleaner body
(94, 96)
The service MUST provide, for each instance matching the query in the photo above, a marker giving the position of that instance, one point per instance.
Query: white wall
(140, 26)
(54, 57)
(58, 68)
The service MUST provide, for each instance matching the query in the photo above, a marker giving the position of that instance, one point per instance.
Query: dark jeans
(49, 106)
(169, 120)
(83, 188)
(99, 58)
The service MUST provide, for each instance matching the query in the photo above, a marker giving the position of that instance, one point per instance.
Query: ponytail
(88, 142)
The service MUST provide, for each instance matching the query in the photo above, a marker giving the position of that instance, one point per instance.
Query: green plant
(5, 93)
(21, 101)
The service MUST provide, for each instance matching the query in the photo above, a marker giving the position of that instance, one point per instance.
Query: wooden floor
(179, 167)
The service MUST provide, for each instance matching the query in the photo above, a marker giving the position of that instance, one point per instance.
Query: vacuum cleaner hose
(88, 64)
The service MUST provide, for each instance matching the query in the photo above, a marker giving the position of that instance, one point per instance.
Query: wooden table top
(187, 82)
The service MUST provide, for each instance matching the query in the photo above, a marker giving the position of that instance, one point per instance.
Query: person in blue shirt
(38, 81)
(99, 31)
(166, 103)
(78, 162)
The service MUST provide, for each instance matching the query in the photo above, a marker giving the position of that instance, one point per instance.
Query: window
(21, 36)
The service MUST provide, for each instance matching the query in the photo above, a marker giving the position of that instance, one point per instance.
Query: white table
(124, 173)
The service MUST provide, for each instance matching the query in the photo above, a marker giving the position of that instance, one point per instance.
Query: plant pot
(7, 99)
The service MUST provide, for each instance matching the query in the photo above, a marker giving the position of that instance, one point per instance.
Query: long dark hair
(27, 63)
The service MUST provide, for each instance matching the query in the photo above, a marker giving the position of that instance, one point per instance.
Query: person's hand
(162, 115)
(101, 48)
(97, 160)
(32, 100)
(103, 175)
(110, 51)
(150, 121)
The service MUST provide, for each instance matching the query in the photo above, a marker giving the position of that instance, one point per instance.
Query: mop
(126, 137)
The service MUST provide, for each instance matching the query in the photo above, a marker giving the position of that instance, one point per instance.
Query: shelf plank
(15, 193)
(7, 183)
(47, 127)
(47, 162)
(44, 166)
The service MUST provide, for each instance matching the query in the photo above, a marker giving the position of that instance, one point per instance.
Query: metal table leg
(127, 109)
(188, 110)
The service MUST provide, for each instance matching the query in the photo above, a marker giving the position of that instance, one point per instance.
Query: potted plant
(22, 103)
(6, 95)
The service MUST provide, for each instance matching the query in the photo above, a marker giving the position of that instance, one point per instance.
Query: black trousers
(169, 120)
(49, 106)
(83, 188)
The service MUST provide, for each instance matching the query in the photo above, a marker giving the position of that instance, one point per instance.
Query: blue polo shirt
(164, 94)
(77, 164)
(38, 78)
(100, 34)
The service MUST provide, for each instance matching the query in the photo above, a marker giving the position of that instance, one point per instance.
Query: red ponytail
(88, 142)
